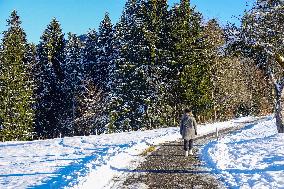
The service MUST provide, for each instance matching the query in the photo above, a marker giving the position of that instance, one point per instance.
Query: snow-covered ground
(250, 158)
(93, 161)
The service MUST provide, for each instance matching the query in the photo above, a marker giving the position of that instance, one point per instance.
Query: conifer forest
(141, 72)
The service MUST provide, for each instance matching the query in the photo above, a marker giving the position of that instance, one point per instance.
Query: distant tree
(231, 88)
(260, 37)
(16, 85)
(51, 103)
(259, 88)
(238, 87)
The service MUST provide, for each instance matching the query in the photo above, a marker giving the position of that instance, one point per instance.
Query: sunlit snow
(252, 157)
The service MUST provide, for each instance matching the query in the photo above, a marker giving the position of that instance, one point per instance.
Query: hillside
(81, 161)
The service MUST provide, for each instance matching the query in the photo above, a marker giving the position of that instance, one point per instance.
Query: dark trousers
(188, 144)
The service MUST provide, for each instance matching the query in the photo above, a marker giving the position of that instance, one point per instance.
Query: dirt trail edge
(167, 167)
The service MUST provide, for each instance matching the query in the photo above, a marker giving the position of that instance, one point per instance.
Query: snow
(250, 158)
(98, 161)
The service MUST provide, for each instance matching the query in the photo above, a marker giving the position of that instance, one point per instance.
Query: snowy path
(167, 167)
(250, 158)
(66, 162)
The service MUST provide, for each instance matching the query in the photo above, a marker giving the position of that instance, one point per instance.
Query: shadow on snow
(68, 175)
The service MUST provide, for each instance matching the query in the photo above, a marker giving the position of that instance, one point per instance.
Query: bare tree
(261, 37)
(91, 105)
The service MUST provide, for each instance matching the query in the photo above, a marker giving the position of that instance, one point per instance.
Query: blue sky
(77, 16)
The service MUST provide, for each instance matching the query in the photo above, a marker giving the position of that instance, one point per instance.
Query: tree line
(137, 74)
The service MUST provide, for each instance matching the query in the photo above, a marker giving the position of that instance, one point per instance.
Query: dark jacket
(188, 127)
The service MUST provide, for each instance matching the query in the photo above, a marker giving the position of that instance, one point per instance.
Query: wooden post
(217, 133)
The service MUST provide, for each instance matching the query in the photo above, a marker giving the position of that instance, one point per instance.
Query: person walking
(188, 130)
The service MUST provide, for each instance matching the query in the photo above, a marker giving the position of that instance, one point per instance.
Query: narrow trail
(167, 167)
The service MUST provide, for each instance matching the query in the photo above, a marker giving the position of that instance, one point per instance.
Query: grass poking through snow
(148, 150)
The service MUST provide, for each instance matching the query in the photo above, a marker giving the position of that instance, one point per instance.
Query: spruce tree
(105, 54)
(177, 18)
(104, 65)
(141, 94)
(138, 92)
(159, 23)
(130, 86)
(156, 32)
(51, 115)
(93, 109)
(117, 79)
(89, 55)
(16, 86)
(73, 71)
(192, 65)
(31, 62)
(119, 119)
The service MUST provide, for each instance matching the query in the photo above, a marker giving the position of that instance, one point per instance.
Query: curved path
(168, 168)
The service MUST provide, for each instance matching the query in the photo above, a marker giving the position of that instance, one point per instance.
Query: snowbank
(251, 158)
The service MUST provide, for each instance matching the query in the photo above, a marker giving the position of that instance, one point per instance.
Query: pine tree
(121, 113)
(51, 114)
(174, 66)
(214, 42)
(89, 55)
(153, 18)
(105, 54)
(133, 92)
(73, 71)
(16, 86)
(117, 79)
(191, 64)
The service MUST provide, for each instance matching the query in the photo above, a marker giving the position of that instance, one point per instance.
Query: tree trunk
(214, 106)
(174, 116)
(73, 115)
(279, 110)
